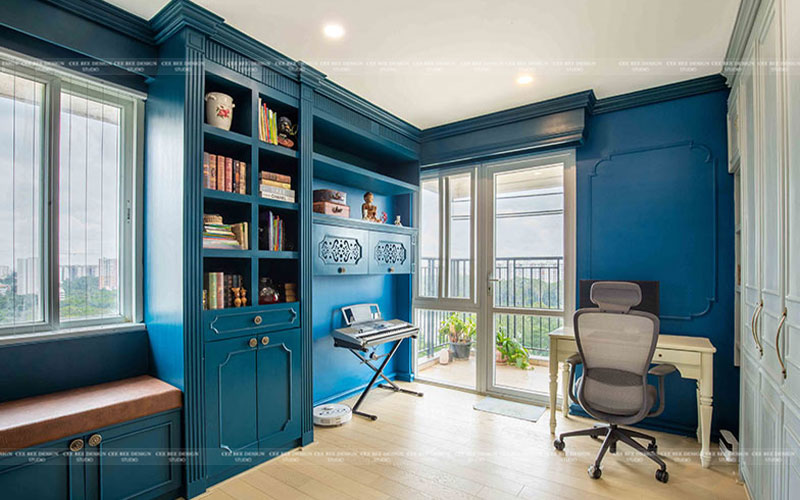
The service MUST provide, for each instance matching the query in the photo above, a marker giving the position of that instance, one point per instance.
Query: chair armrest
(662, 370)
(573, 361)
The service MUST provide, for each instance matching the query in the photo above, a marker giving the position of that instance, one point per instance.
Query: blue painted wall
(655, 202)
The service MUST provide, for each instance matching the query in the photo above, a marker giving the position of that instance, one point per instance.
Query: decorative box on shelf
(329, 208)
(330, 195)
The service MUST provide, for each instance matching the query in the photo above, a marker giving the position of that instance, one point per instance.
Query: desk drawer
(264, 318)
(676, 357)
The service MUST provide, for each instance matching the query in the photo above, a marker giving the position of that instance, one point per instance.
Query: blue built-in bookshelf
(252, 372)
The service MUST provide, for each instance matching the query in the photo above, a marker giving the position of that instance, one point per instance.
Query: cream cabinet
(764, 150)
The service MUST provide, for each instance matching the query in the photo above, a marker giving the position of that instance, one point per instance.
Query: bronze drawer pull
(95, 439)
(76, 445)
(264, 340)
(257, 320)
(253, 342)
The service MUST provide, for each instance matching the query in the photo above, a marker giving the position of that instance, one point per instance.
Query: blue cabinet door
(231, 410)
(339, 250)
(133, 460)
(47, 472)
(389, 253)
(279, 374)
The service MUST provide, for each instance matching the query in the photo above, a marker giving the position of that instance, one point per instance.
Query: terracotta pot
(219, 110)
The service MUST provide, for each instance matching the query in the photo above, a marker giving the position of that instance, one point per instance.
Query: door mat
(511, 409)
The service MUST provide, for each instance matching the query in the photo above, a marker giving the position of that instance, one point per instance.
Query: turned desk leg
(705, 400)
(553, 383)
(565, 389)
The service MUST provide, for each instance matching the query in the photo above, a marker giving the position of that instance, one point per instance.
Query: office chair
(615, 346)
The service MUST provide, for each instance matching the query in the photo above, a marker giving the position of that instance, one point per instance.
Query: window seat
(35, 420)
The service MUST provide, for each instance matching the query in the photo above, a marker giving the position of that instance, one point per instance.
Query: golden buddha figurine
(368, 210)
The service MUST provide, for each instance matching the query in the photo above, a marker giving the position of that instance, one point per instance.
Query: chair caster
(652, 447)
(595, 472)
(662, 475)
(558, 444)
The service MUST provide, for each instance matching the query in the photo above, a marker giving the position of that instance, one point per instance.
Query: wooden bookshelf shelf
(267, 254)
(278, 150)
(280, 205)
(215, 194)
(227, 253)
(226, 135)
(340, 172)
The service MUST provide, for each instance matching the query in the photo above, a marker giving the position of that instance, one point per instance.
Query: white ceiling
(435, 61)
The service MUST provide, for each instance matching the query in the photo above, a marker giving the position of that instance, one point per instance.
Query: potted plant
(460, 333)
(511, 351)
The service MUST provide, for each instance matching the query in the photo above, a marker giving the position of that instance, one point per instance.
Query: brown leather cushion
(31, 421)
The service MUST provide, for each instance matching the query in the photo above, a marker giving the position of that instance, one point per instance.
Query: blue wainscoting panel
(655, 202)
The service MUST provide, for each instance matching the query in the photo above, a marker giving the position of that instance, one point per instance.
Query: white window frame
(131, 103)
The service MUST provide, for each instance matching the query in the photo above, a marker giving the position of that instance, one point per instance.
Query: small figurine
(243, 293)
(285, 130)
(384, 218)
(237, 296)
(268, 293)
(369, 211)
(397, 221)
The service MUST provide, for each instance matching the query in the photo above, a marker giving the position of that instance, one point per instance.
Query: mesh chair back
(617, 347)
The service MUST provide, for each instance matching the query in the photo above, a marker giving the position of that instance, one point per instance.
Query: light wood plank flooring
(439, 447)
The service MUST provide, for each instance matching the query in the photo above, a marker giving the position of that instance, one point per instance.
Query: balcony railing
(524, 283)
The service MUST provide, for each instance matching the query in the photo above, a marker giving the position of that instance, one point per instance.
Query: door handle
(754, 327)
(778, 344)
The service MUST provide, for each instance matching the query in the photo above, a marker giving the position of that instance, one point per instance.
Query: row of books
(274, 237)
(267, 123)
(224, 174)
(221, 290)
(217, 234)
(276, 187)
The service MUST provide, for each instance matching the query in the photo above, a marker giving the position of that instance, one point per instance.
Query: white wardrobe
(764, 152)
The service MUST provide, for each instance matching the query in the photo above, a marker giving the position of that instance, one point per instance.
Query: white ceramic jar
(219, 110)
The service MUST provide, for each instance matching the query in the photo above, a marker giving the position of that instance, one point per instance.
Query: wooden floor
(439, 447)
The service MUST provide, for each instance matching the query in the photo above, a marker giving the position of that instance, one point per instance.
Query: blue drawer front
(229, 323)
(47, 472)
(389, 253)
(340, 250)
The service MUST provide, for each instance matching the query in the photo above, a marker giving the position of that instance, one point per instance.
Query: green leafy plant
(511, 350)
(456, 330)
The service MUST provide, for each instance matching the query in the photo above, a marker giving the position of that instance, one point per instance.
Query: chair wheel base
(558, 444)
(595, 472)
(652, 447)
(662, 475)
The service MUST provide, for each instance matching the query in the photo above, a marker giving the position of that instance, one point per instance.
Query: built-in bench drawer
(230, 323)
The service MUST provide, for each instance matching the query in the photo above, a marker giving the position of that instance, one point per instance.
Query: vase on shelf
(219, 110)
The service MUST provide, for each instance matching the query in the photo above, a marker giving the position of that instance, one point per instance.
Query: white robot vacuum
(332, 415)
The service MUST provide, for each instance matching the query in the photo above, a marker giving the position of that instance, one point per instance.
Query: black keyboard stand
(378, 373)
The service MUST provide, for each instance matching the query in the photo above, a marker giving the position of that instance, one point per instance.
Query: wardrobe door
(748, 421)
(790, 334)
(771, 159)
(770, 427)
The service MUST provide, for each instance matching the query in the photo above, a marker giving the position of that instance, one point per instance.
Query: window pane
(429, 239)
(21, 218)
(529, 238)
(89, 208)
(437, 331)
(522, 349)
(460, 201)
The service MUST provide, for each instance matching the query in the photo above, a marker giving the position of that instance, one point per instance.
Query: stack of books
(224, 174)
(219, 290)
(276, 187)
(267, 123)
(217, 234)
(290, 292)
(274, 237)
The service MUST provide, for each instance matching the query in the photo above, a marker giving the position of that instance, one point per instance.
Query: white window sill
(70, 333)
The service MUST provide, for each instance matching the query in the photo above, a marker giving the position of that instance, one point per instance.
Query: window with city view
(62, 265)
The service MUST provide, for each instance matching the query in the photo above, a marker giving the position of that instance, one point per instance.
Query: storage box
(328, 208)
(330, 195)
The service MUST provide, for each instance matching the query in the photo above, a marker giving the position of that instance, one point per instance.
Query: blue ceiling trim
(110, 16)
(585, 99)
(179, 14)
(687, 88)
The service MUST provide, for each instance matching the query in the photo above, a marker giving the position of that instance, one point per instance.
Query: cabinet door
(231, 411)
(339, 250)
(769, 439)
(790, 465)
(751, 272)
(278, 389)
(770, 126)
(748, 420)
(131, 460)
(389, 253)
(48, 472)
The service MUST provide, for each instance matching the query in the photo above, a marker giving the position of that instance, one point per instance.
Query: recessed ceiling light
(333, 30)
(524, 79)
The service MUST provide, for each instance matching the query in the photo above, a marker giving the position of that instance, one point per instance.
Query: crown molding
(179, 14)
(584, 99)
(109, 16)
(686, 88)
(745, 18)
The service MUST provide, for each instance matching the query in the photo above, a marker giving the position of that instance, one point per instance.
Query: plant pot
(219, 110)
(499, 359)
(460, 350)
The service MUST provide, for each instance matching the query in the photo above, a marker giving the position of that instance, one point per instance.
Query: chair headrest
(618, 296)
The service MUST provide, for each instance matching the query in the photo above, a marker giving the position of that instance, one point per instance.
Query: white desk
(692, 356)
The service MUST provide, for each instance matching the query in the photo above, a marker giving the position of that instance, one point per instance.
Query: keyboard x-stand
(365, 330)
